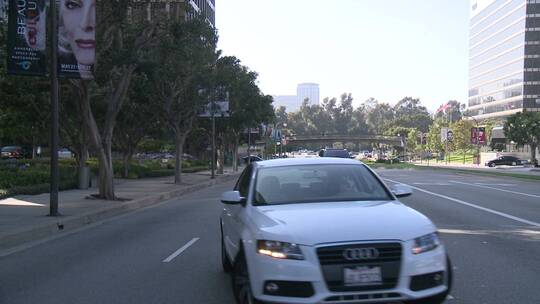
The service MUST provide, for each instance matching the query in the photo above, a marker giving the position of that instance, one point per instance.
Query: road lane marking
(493, 188)
(508, 216)
(432, 184)
(179, 251)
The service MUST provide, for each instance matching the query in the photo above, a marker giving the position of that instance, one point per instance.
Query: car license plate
(362, 276)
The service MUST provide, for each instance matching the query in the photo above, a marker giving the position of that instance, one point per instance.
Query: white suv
(328, 230)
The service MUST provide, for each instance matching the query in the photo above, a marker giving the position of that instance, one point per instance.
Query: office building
(308, 91)
(180, 9)
(291, 102)
(504, 58)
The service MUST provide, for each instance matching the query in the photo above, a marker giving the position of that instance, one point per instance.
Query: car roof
(306, 161)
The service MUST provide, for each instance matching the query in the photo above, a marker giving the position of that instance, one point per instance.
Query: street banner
(478, 136)
(482, 138)
(26, 45)
(76, 38)
(447, 134)
(474, 136)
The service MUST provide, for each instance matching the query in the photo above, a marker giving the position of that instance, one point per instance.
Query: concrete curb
(66, 224)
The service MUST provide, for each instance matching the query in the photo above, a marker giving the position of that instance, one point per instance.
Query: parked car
(339, 153)
(252, 158)
(65, 153)
(15, 152)
(504, 160)
(328, 230)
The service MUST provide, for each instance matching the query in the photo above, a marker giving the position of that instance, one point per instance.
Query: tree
(186, 56)
(524, 129)
(248, 107)
(139, 118)
(124, 45)
(462, 136)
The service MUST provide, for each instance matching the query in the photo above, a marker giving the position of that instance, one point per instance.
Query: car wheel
(514, 163)
(241, 284)
(225, 262)
(491, 165)
(441, 297)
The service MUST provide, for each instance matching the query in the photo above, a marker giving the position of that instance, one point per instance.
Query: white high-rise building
(309, 91)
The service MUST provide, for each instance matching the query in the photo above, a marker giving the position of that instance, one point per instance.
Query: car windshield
(317, 183)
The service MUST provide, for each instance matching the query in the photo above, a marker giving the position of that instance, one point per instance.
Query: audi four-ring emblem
(355, 254)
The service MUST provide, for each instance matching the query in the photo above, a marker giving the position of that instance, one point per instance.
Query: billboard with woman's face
(27, 37)
(76, 38)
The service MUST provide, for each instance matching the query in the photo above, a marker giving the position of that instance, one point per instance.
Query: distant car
(14, 152)
(504, 160)
(64, 153)
(252, 158)
(339, 153)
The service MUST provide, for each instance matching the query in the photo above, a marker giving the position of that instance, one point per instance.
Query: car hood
(317, 223)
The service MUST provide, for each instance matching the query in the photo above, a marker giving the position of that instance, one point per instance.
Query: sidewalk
(24, 219)
(470, 167)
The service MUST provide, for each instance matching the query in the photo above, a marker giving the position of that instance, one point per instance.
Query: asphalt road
(141, 257)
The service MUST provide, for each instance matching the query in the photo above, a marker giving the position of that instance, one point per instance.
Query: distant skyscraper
(310, 91)
(504, 57)
(291, 102)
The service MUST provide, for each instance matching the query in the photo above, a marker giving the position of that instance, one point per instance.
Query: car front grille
(333, 262)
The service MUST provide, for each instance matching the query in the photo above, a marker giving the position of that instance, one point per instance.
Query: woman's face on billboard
(79, 19)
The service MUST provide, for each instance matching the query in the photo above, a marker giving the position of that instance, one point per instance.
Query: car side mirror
(401, 190)
(232, 198)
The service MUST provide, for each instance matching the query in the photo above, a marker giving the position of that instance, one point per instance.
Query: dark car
(504, 160)
(14, 152)
(339, 153)
(251, 159)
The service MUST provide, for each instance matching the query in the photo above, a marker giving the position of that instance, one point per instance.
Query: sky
(370, 48)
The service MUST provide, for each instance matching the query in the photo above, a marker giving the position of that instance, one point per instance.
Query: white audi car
(328, 230)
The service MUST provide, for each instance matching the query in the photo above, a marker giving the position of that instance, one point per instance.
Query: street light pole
(55, 172)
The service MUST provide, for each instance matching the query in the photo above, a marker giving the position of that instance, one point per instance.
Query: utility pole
(55, 172)
(213, 106)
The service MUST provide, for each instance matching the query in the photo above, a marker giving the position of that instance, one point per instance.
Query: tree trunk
(106, 176)
(220, 158)
(533, 154)
(235, 153)
(126, 158)
(179, 143)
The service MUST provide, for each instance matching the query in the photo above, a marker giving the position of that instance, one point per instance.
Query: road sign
(221, 109)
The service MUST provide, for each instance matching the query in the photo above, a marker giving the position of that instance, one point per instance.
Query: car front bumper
(264, 270)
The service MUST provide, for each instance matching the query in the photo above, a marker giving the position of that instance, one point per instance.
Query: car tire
(225, 262)
(441, 297)
(491, 165)
(240, 282)
(514, 164)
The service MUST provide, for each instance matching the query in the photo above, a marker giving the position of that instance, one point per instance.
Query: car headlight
(426, 243)
(279, 250)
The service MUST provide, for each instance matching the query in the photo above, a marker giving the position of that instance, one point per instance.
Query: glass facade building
(308, 91)
(504, 57)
